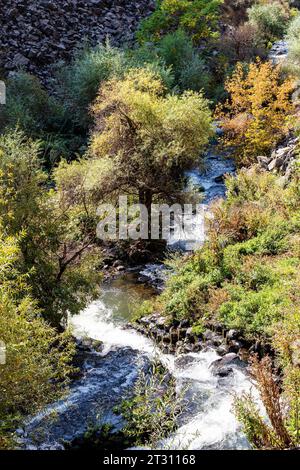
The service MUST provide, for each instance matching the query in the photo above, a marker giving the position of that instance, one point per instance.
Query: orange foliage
(258, 113)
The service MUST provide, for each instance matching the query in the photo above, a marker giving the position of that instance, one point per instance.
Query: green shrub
(37, 365)
(152, 413)
(293, 38)
(147, 308)
(196, 76)
(176, 60)
(293, 32)
(189, 68)
(80, 81)
(31, 109)
(271, 20)
(199, 18)
(150, 58)
(253, 312)
(29, 106)
(58, 254)
(177, 50)
(245, 274)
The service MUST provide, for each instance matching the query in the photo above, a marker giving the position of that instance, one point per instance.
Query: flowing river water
(107, 376)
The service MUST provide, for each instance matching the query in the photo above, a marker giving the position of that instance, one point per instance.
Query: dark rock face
(179, 337)
(36, 34)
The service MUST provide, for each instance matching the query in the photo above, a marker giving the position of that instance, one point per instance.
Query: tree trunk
(145, 198)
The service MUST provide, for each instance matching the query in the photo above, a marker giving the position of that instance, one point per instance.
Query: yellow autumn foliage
(258, 113)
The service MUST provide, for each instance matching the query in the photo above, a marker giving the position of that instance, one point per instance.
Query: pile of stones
(36, 34)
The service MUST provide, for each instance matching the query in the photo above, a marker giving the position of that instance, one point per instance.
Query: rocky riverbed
(90, 403)
(179, 338)
(282, 160)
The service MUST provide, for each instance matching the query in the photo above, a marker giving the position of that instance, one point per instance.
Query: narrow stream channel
(208, 421)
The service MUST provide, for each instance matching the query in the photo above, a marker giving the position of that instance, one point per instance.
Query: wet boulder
(222, 350)
(91, 402)
(219, 179)
(232, 334)
(224, 366)
(234, 346)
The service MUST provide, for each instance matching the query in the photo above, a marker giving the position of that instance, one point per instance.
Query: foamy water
(96, 322)
(209, 421)
(212, 423)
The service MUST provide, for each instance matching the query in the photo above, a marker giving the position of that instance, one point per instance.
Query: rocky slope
(38, 33)
(283, 159)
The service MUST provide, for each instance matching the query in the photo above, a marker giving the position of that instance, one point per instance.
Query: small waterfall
(209, 422)
(209, 182)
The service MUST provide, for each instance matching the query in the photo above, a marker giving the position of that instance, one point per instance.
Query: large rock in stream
(90, 404)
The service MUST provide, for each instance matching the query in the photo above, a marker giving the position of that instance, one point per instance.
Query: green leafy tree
(270, 18)
(57, 246)
(80, 80)
(189, 68)
(144, 137)
(39, 116)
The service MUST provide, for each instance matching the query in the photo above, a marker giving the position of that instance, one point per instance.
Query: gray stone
(232, 334)
(263, 161)
(166, 339)
(91, 402)
(222, 350)
(234, 346)
(223, 371)
(208, 335)
(273, 165)
(228, 360)
(219, 179)
(20, 61)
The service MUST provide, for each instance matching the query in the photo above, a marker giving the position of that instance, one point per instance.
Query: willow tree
(146, 138)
